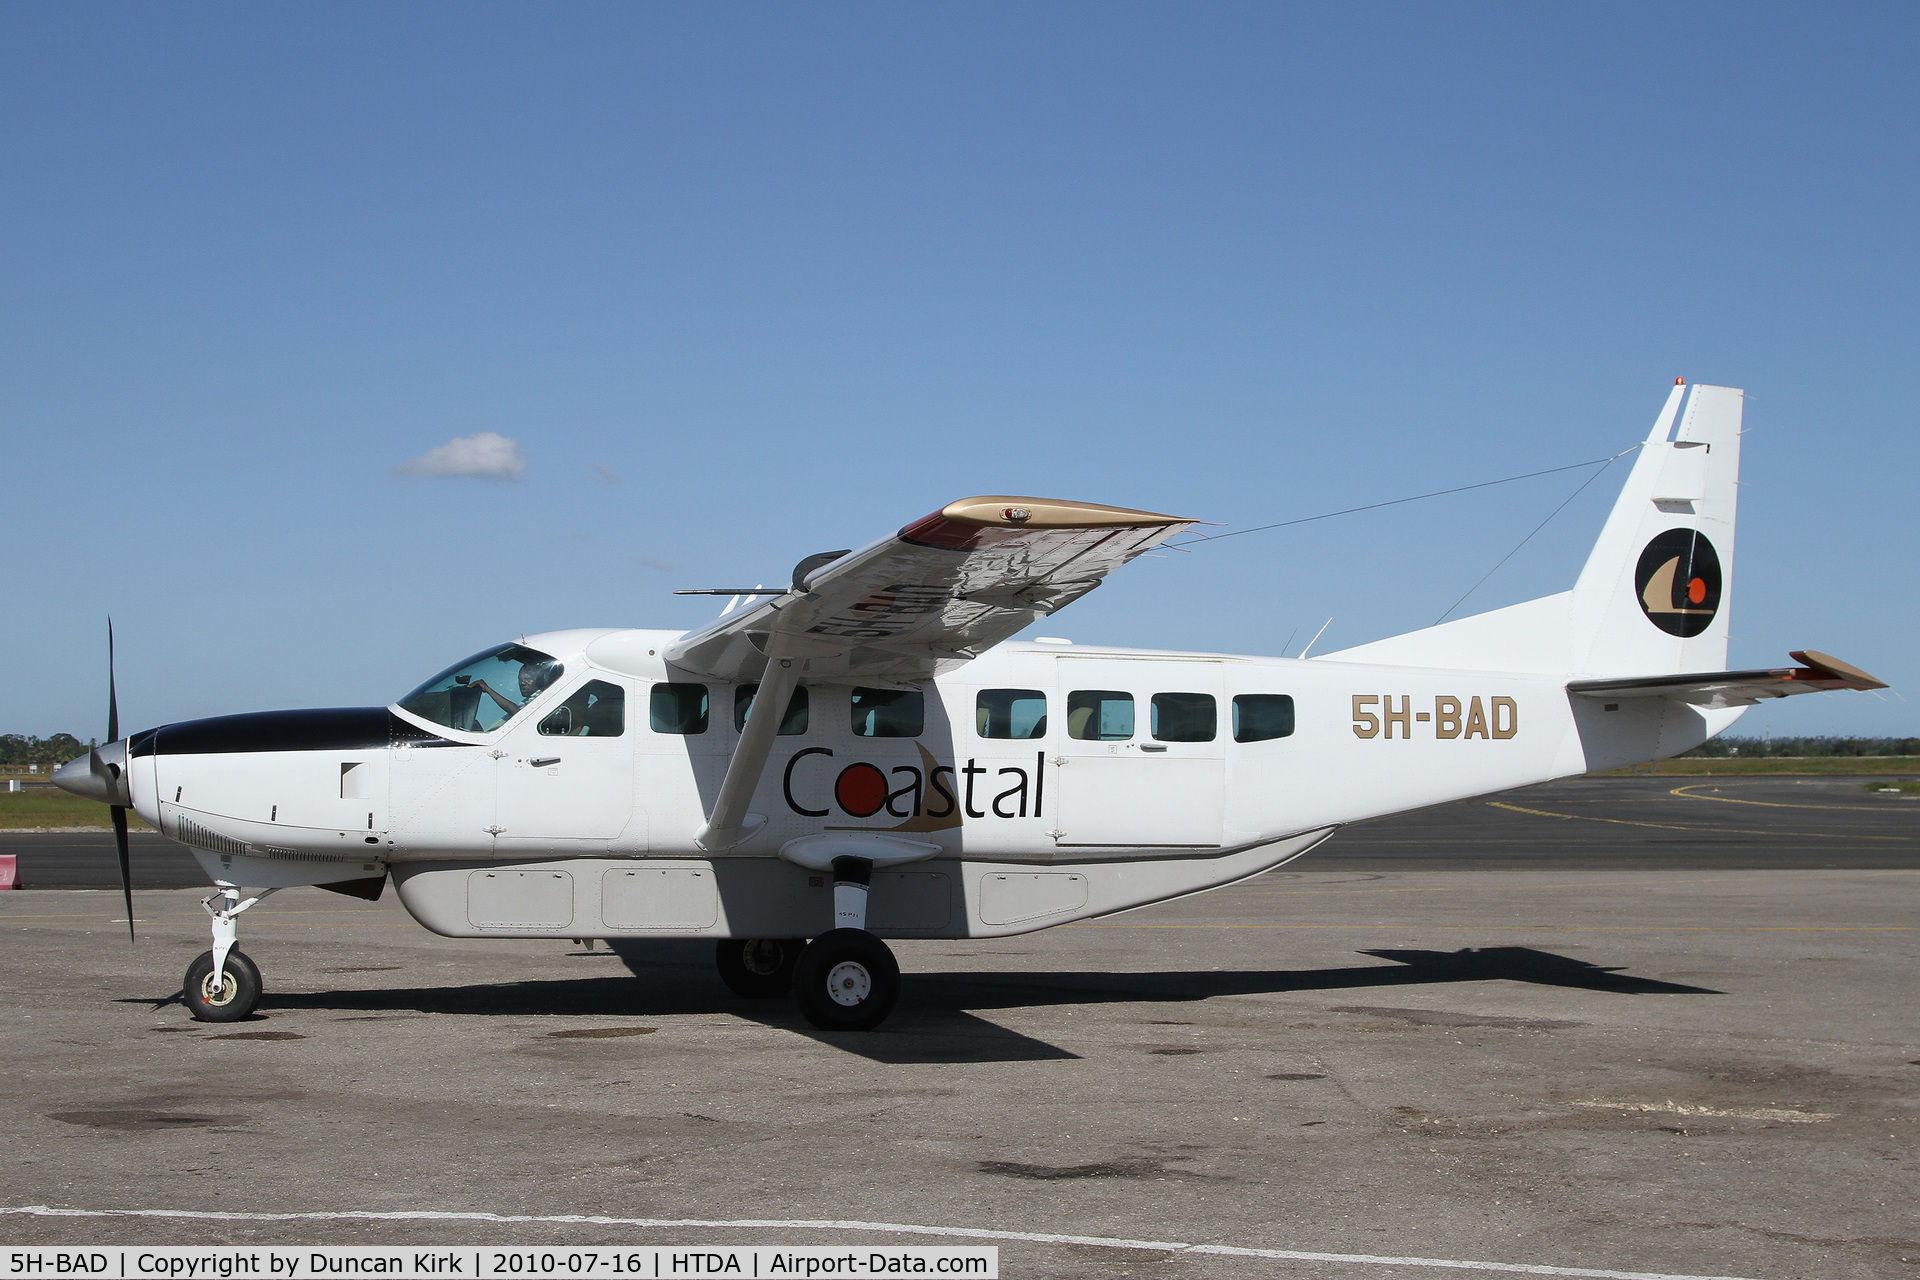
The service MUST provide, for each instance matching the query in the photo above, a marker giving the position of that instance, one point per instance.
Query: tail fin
(1653, 597)
(1655, 592)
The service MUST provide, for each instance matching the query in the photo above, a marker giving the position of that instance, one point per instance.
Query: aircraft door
(568, 774)
(1142, 763)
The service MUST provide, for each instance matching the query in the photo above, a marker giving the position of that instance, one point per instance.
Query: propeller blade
(113, 700)
(119, 811)
(126, 865)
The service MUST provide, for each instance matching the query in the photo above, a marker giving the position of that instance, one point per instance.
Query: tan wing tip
(1005, 511)
(1830, 666)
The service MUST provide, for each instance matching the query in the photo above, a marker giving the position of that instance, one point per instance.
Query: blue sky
(750, 281)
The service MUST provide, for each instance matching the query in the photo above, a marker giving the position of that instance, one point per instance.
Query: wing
(1820, 674)
(927, 599)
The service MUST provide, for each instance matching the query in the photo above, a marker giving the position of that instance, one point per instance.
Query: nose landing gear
(223, 985)
(228, 998)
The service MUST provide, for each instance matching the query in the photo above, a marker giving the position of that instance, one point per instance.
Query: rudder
(1655, 593)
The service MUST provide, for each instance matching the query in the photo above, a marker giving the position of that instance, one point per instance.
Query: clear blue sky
(750, 281)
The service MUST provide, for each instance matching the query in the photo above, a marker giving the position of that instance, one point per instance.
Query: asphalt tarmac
(1534, 1051)
(1652, 822)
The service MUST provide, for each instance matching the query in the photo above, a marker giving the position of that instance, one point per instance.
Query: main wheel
(235, 997)
(846, 980)
(757, 968)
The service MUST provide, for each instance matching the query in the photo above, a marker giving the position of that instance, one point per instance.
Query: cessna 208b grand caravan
(865, 755)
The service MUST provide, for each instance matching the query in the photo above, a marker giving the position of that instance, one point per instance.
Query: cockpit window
(484, 692)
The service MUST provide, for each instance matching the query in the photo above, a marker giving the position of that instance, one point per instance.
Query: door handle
(1148, 746)
(544, 761)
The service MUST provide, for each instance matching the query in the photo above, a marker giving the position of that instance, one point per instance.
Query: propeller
(119, 810)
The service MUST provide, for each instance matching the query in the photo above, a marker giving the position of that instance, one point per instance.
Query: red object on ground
(8, 878)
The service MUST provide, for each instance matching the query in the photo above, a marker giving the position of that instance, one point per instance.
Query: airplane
(864, 753)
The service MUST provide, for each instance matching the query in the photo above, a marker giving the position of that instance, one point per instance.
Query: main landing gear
(844, 980)
(847, 980)
(223, 985)
(758, 968)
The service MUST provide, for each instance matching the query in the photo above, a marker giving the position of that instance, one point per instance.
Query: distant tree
(1719, 748)
(19, 749)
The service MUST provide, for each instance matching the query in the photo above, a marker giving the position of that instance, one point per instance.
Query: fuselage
(1031, 754)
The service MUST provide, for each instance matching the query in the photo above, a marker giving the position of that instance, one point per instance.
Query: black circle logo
(1678, 582)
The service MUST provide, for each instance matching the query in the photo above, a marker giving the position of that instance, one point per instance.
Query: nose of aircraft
(99, 775)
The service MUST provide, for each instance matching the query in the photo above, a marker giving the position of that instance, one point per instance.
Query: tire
(846, 980)
(238, 996)
(757, 968)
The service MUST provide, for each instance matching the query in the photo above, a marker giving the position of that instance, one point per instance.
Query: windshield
(484, 692)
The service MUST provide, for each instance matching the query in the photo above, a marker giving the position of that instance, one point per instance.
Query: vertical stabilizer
(1654, 596)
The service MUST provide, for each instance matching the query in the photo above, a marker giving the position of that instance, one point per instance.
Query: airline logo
(1678, 582)
(929, 796)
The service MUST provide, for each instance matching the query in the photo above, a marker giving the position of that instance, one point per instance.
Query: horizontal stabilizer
(1712, 689)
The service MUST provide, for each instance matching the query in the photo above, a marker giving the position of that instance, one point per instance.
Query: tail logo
(1678, 580)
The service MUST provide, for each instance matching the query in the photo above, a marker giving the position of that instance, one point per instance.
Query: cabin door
(566, 773)
(1142, 762)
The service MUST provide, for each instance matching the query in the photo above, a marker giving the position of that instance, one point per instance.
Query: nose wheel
(846, 980)
(231, 996)
(222, 985)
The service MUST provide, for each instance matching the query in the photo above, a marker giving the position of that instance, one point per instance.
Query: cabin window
(791, 724)
(1099, 715)
(1184, 717)
(889, 713)
(679, 708)
(1258, 717)
(596, 709)
(1010, 713)
(488, 689)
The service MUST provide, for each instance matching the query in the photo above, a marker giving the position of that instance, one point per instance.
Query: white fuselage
(525, 832)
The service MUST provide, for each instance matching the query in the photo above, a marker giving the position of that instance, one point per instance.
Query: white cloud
(648, 562)
(606, 473)
(485, 456)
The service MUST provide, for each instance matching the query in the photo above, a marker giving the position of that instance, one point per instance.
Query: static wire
(1395, 502)
(1529, 538)
(1601, 463)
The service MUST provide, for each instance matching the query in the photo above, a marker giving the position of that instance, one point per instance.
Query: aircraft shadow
(1412, 968)
(937, 1020)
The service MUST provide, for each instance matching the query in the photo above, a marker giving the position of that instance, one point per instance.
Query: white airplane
(863, 755)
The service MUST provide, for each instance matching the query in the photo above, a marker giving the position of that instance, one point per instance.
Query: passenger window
(596, 709)
(1099, 715)
(1011, 713)
(1184, 717)
(889, 713)
(794, 722)
(1260, 716)
(679, 708)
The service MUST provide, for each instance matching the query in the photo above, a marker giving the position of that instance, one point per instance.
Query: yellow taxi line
(1686, 793)
(1722, 831)
(291, 924)
(1577, 884)
(1402, 927)
(1427, 926)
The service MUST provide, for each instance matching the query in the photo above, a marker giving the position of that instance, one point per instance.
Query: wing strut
(730, 823)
